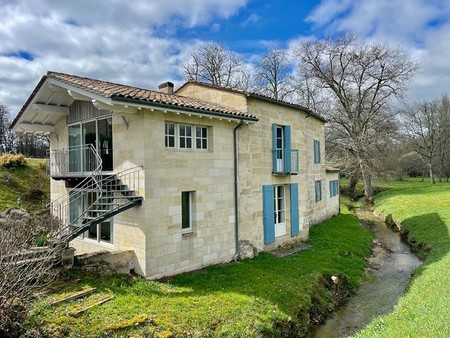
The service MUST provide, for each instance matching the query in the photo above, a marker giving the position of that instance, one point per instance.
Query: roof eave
(187, 109)
(286, 104)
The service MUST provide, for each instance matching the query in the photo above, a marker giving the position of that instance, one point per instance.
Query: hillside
(30, 182)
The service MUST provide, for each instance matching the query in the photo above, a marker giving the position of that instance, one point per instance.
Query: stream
(391, 266)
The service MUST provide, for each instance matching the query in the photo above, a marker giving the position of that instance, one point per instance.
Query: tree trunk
(366, 176)
(431, 173)
(352, 184)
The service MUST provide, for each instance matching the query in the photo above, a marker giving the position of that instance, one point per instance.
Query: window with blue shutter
(268, 214)
(316, 151)
(294, 209)
(334, 188)
(285, 159)
(318, 190)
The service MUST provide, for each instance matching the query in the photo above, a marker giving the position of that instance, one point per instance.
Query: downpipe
(236, 201)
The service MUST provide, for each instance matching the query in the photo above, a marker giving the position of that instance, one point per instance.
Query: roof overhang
(51, 99)
(49, 102)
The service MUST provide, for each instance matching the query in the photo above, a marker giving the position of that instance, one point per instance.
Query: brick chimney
(166, 87)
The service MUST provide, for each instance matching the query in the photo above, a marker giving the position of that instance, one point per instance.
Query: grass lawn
(30, 182)
(424, 211)
(266, 296)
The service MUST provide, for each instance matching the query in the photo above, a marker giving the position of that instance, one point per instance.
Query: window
(334, 188)
(183, 136)
(274, 210)
(186, 211)
(279, 211)
(316, 151)
(170, 135)
(201, 138)
(285, 159)
(97, 133)
(318, 190)
(79, 203)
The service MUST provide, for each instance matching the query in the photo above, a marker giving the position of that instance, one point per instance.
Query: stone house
(181, 178)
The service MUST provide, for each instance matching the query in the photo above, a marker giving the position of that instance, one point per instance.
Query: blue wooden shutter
(268, 216)
(316, 191)
(287, 149)
(331, 188)
(294, 209)
(274, 147)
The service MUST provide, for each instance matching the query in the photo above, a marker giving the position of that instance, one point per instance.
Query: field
(30, 182)
(266, 296)
(424, 212)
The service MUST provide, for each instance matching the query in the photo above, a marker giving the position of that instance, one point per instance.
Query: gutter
(236, 201)
(188, 109)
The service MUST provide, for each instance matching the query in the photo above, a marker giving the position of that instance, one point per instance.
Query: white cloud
(419, 26)
(251, 20)
(113, 40)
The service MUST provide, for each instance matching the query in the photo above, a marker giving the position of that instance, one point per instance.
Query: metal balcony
(285, 161)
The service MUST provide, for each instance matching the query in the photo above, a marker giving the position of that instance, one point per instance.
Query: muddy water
(391, 267)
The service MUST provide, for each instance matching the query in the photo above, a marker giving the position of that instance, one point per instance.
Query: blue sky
(143, 42)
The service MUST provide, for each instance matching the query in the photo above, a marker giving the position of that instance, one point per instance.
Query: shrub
(36, 187)
(10, 180)
(9, 160)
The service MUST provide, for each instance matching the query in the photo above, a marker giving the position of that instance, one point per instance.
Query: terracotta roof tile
(123, 92)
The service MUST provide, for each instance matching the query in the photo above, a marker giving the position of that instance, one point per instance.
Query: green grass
(424, 211)
(266, 296)
(21, 181)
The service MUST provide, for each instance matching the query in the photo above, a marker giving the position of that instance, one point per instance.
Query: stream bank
(389, 269)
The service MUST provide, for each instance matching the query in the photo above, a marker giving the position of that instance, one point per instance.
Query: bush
(9, 160)
(36, 187)
(10, 180)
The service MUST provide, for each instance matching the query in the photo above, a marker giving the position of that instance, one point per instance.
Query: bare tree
(358, 80)
(32, 145)
(212, 63)
(7, 137)
(427, 124)
(444, 137)
(23, 267)
(273, 75)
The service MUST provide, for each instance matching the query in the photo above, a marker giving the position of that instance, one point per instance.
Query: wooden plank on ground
(56, 287)
(75, 295)
(99, 302)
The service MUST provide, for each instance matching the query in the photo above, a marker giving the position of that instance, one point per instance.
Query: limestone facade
(154, 230)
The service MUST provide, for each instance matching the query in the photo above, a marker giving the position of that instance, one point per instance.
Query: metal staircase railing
(118, 193)
(60, 208)
(76, 161)
(96, 198)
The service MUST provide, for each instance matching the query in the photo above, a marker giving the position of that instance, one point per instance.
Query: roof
(118, 92)
(254, 95)
(329, 169)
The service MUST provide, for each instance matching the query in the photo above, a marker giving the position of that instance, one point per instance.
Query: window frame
(317, 158)
(318, 190)
(85, 203)
(334, 188)
(184, 140)
(188, 212)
